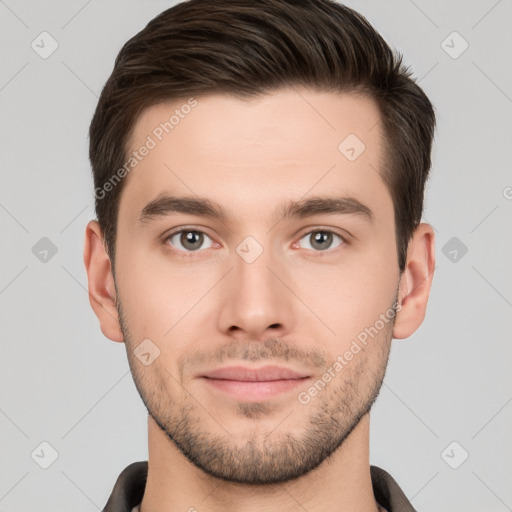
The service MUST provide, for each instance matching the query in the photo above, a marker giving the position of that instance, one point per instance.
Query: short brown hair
(247, 48)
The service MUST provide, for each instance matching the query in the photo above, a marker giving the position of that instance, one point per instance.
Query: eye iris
(321, 237)
(194, 238)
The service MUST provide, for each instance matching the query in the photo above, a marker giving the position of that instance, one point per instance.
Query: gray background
(63, 383)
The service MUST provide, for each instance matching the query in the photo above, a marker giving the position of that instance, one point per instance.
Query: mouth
(254, 384)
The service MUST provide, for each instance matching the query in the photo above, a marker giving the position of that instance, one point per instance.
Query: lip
(263, 374)
(254, 384)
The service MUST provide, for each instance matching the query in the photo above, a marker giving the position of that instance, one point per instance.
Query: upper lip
(265, 373)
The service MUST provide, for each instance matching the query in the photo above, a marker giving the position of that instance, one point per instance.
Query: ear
(415, 282)
(102, 292)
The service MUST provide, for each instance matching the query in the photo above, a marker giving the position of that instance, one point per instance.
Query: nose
(256, 300)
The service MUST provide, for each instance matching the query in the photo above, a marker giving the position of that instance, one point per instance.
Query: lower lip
(255, 391)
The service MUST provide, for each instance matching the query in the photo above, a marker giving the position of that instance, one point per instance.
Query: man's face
(258, 288)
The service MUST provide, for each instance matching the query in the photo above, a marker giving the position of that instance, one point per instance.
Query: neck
(341, 483)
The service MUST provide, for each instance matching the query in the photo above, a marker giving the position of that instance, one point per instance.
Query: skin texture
(299, 304)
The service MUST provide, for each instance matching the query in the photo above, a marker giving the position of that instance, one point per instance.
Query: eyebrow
(319, 205)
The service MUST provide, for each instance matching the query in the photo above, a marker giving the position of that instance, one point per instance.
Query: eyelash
(189, 254)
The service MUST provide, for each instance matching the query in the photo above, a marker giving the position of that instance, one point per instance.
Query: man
(259, 173)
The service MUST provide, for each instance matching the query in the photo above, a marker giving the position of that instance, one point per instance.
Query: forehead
(284, 144)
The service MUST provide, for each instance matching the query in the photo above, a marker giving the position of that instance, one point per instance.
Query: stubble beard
(275, 456)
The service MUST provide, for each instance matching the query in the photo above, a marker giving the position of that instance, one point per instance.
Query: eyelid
(169, 234)
(179, 229)
(345, 237)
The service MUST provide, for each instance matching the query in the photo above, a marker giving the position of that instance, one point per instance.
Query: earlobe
(102, 294)
(415, 282)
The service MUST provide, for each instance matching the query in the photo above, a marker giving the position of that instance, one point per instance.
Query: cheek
(158, 294)
(350, 296)
(141, 290)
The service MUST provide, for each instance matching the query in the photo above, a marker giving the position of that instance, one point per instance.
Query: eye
(321, 239)
(191, 240)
